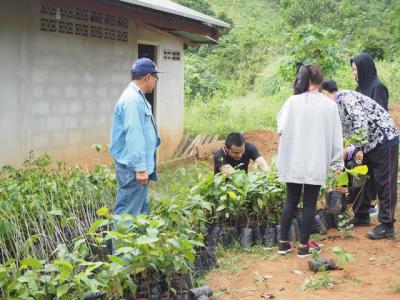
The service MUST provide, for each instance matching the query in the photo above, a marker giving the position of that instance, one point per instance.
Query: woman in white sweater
(311, 142)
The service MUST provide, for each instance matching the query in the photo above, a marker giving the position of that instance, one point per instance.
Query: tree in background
(311, 45)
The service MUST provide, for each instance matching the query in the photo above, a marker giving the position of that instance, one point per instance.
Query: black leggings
(293, 195)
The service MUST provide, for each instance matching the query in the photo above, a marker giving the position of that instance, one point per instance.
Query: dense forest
(258, 56)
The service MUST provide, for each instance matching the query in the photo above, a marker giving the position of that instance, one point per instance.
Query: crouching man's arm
(261, 163)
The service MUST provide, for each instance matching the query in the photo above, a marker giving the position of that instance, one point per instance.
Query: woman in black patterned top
(356, 112)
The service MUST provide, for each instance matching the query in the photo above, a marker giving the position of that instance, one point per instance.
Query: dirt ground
(372, 274)
(266, 142)
(375, 267)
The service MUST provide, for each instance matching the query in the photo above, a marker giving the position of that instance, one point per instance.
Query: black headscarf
(368, 82)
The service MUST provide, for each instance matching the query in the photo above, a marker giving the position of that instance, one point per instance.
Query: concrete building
(64, 63)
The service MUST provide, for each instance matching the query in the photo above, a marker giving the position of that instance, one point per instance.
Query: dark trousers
(382, 171)
(293, 195)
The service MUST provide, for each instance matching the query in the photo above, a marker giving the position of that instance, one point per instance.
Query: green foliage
(311, 45)
(239, 114)
(242, 197)
(44, 197)
(357, 139)
(342, 179)
(395, 287)
(316, 284)
(342, 255)
(233, 66)
(316, 12)
(145, 245)
(201, 84)
(199, 5)
(344, 225)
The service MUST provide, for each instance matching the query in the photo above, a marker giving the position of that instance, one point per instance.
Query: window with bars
(82, 22)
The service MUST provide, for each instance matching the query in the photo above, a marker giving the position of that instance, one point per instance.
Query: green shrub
(43, 204)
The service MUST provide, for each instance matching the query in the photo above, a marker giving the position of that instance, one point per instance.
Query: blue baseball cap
(144, 66)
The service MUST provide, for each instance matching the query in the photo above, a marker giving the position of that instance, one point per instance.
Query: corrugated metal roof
(196, 38)
(177, 9)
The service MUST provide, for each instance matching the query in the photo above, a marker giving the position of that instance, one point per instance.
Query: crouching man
(236, 154)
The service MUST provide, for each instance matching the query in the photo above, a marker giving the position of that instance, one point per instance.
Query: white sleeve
(282, 117)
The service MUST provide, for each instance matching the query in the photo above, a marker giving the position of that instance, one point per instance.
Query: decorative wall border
(83, 22)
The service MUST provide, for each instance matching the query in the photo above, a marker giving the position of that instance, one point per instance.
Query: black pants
(382, 172)
(293, 195)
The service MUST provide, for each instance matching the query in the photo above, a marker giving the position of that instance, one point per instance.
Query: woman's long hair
(306, 75)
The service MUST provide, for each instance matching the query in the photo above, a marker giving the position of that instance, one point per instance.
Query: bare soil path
(374, 273)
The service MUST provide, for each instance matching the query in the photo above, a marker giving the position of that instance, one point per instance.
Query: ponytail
(307, 74)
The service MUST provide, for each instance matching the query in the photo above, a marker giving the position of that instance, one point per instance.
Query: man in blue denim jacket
(134, 140)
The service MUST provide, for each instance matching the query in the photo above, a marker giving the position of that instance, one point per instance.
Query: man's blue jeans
(132, 197)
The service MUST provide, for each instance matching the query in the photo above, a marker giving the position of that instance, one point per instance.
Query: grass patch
(395, 287)
(238, 114)
(177, 181)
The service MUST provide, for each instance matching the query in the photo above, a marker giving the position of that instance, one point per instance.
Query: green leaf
(119, 235)
(65, 267)
(152, 232)
(96, 224)
(342, 179)
(55, 212)
(206, 205)
(175, 243)
(337, 250)
(103, 212)
(116, 259)
(349, 257)
(260, 203)
(31, 262)
(62, 290)
(145, 240)
(359, 170)
(124, 250)
(219, 208)
(91, 265)
(232, 195)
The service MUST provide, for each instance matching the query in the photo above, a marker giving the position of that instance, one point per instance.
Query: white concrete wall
(169, 90)
(57, 91)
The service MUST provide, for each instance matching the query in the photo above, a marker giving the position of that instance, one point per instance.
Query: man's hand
(227, 169)
(337, 172)
(142, 178)
(359, 157)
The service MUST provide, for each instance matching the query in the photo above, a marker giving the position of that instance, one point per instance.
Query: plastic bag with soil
(334, 201)
(200, 291)
(213, 235)
(198, 270)
(319, 226)
(204, 258)
(358, 181)
(211, 257)
(322, 217)
(246, 237)
(328, 264)
(257, 235)
(227, 236)
(269, 237)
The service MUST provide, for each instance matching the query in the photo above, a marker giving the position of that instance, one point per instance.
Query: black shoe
(306, 251)
(360, 222)
(381, 231)
(284, 248)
